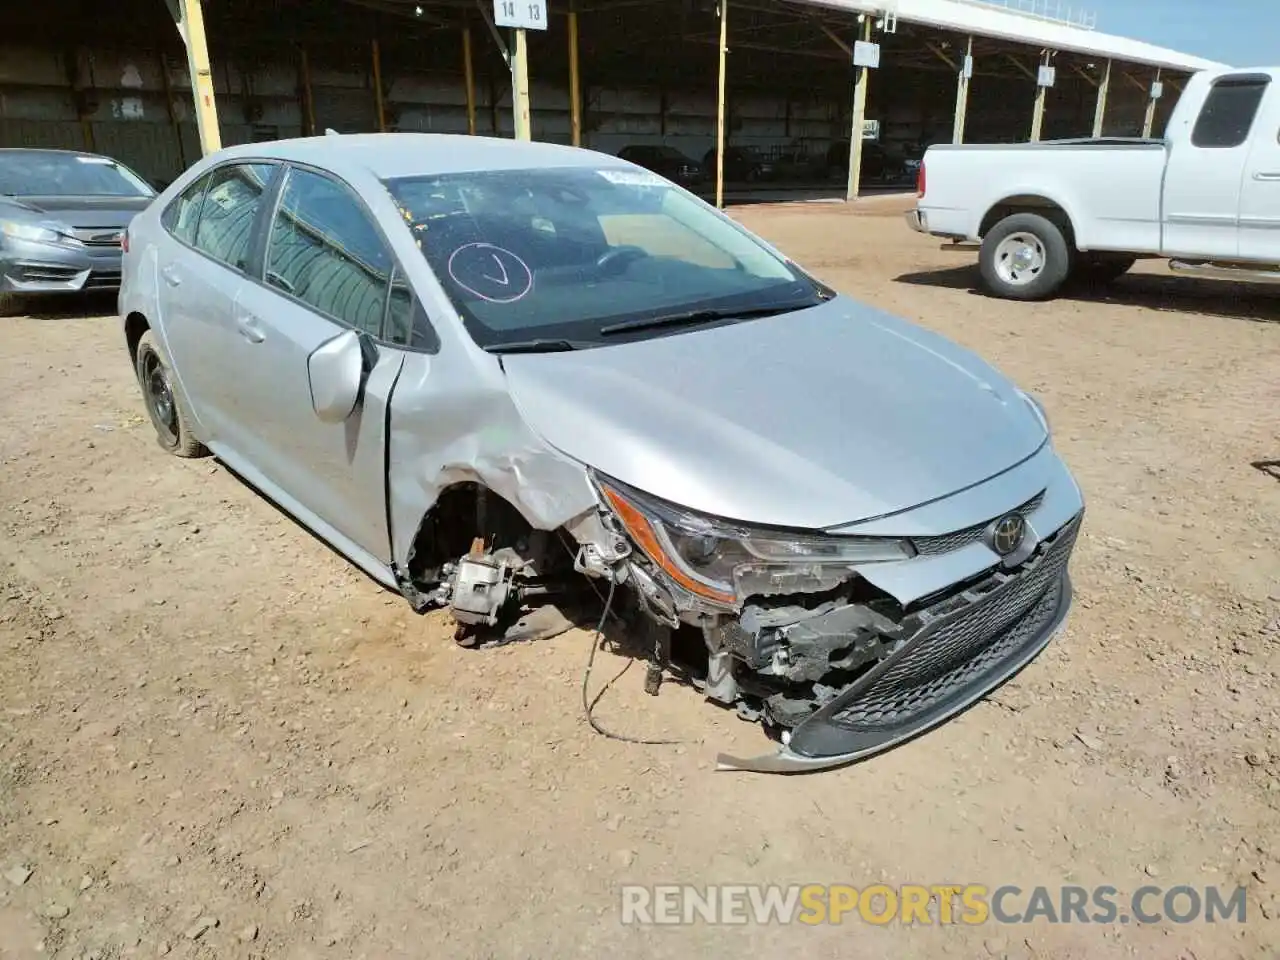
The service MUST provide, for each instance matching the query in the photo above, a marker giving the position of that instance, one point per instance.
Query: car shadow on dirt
(1223, 298)
(70, 306)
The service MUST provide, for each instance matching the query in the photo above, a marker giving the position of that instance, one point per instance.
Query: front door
(1260, 189)
(327, 269)
(1203, 178)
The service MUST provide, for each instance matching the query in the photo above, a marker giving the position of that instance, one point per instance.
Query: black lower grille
(101, 279)
(951, 651)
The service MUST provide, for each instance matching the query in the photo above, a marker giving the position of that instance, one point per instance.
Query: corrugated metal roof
(988, 20)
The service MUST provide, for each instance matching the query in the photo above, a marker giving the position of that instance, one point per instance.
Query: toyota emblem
(1007, 534)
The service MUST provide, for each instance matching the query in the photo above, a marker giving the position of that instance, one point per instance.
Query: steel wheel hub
(1020, 258)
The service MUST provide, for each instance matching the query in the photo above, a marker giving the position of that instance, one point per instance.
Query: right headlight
(39, 232)
(722, 562)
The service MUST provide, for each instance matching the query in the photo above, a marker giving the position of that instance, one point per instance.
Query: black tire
(1101, 268)
(1046, 245)
(164, 404)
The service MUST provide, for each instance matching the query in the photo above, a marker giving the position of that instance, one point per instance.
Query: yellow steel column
(377, 88)
(859, 114)
(1149, 119)
(962, 96)
(720, 93)
(575, 89)
(468, 72)
(520, 88)
(308, 101)
(191, 27)
(1100, 110)
(1037, 117)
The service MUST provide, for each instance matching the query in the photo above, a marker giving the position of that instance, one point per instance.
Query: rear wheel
(168, 416)
(1024, 257)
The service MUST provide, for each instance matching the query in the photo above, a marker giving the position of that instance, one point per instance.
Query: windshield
(566, 252)
(38, 173)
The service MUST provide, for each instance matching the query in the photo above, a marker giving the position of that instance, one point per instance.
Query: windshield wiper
(537, 346)
(692, 317)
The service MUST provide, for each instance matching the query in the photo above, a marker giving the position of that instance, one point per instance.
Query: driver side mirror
(336, 371)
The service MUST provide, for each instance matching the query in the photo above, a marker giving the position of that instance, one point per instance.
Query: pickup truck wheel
(1024, 257)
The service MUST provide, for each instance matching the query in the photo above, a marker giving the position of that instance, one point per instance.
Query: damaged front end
(797, 633)
(797, 637)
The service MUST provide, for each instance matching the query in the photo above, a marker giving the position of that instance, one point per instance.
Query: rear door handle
(1266, 176)
(251, 329)
(171, 276)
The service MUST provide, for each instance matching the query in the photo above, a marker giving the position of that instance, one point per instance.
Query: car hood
(811, 419)
(83, 212)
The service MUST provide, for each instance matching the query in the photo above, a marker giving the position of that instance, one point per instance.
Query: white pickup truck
(1206, 197)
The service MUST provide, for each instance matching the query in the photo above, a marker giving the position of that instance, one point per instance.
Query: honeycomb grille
(946, 542)
(953, 654)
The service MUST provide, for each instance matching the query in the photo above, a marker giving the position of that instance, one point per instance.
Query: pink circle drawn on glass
(498, 272)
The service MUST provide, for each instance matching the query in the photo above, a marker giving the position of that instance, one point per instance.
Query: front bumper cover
(960, 650)
(32, 267)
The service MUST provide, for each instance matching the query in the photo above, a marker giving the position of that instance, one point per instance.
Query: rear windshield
(43, 174)
(563, 252)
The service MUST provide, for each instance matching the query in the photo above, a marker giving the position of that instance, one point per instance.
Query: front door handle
(1266, 176)
(171, 276)
(251, 329)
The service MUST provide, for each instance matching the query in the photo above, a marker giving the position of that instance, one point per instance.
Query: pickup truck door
(1202, 184)
(1260, 190)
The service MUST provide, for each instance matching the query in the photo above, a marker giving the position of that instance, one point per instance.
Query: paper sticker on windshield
(632, 178)
(490, 272)
(99, 160)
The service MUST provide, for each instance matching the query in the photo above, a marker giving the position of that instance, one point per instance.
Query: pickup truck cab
(1206, 196)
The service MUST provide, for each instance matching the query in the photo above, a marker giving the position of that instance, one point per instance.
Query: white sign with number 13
(520, 14)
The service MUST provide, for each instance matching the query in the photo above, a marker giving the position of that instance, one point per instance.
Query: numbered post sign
(520, 14)
(866, 54)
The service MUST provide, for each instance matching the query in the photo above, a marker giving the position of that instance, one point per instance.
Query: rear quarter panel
(1110, 191)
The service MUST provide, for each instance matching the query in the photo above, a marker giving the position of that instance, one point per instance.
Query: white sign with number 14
(521, 14)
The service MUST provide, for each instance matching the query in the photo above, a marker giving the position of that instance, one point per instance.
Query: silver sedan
(516, 379)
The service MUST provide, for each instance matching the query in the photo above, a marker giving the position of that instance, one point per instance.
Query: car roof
(391, 155)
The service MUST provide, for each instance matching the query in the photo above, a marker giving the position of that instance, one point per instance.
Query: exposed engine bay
(789, 657)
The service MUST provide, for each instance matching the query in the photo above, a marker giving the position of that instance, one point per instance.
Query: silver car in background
(62, 219)
(502, 376)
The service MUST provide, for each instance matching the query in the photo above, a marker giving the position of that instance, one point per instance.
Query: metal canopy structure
(1020, 24)
(795, 78)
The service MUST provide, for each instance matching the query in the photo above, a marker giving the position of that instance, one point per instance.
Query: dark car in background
(63, 216)
(741, 164)
(666, 162)
(880, 164)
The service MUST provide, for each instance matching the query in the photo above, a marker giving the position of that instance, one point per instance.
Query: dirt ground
(206, 715)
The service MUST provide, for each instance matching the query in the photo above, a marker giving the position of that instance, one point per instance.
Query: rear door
(1203, 178)
(202, 267)
(327, 269)
(1260, 191)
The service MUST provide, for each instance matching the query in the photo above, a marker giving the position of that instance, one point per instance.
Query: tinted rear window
(1228, 112)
